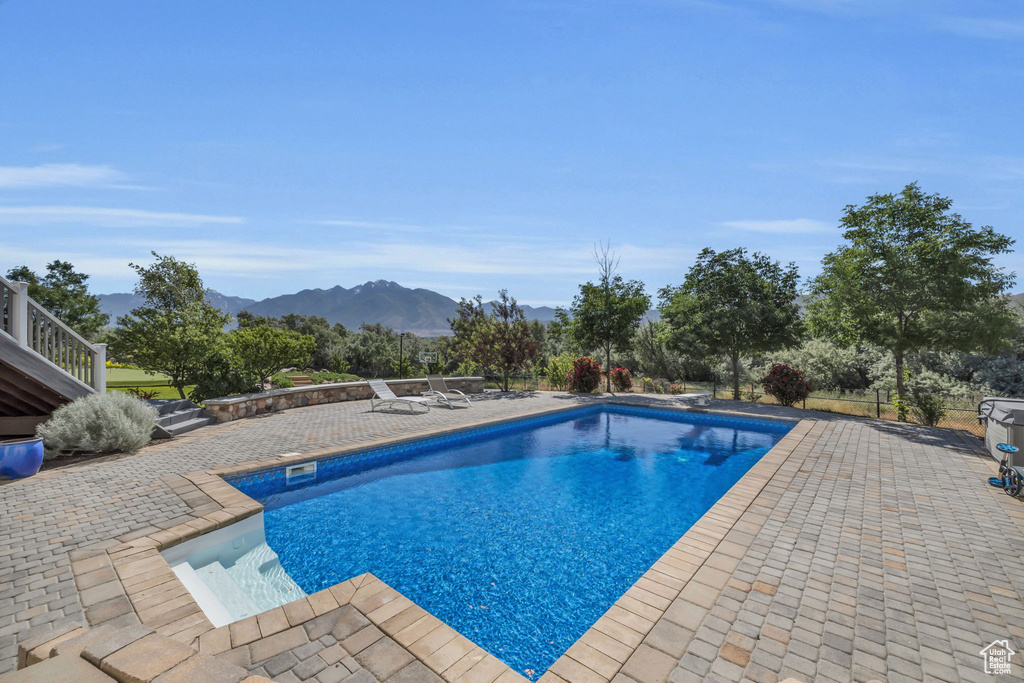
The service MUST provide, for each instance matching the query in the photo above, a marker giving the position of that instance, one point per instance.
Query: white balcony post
(19, 313)
(99, 370)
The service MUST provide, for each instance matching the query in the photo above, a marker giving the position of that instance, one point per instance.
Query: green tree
(913, 275)
(331, 341)
(608, 313)
(64, 293)
(175, 331)
(261, 350)
(731, 304)
(373, 351)
(501, 341)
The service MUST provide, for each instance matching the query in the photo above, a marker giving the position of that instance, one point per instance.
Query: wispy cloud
(369, 225)
(991, 29)
(245, 259)
(797, 225)
(61, 175)
(397, 258)
(979, 167)
(106, 217)
(47, 147)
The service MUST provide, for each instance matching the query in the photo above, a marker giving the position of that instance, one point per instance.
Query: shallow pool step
(234, 598)
(264, 580)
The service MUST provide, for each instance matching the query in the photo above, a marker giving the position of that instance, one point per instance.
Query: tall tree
(731, 304)
(502, 341)
(261, 350)
(175, 331)
(913, 275)
(374, 350)
(64, 293)
(607, 313)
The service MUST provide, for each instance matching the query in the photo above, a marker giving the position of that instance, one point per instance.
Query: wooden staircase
(43, 362)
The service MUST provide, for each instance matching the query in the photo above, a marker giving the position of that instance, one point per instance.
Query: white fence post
(19, 313)
(99, 370)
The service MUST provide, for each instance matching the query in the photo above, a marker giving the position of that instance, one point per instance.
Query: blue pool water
(519, 537)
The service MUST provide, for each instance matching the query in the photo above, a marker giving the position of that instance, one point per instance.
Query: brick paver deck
(875, 552)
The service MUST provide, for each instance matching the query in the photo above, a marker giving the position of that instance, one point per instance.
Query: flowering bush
(622, 379)
(787, 385)
(584, 375)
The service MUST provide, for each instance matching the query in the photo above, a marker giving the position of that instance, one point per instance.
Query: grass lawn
(162, 391)
(132, 377)
(123, 379)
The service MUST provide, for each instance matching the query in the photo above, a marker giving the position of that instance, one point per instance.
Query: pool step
(254, 583)
(231, 595)
(265, 581)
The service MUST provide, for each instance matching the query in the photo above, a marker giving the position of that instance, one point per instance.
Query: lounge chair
(382, 395)
(440, 391)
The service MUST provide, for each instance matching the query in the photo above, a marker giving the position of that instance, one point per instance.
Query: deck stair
(177, 416)
(43, 362)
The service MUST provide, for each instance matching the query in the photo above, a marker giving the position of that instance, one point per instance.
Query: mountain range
(420, 311)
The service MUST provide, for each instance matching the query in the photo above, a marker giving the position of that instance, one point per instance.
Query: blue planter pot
(19, 459)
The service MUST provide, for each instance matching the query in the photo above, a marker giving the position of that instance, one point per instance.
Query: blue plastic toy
(1010, 479)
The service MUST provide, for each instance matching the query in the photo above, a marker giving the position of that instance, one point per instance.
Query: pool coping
(137, 585)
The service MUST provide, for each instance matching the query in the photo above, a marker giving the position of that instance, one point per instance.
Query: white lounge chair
(382, 395)
(439, 390)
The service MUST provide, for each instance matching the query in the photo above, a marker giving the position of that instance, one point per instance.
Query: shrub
(281, 381)
(622, 379)
(787, 385)
(219, 375)
(557, 372)
(584, 375)
(340, 365)
(99, 423)
(929, 408)
(142, 393)
(466, 369)
(332, 377)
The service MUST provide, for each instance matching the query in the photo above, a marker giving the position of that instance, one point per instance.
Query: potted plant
(20, 458)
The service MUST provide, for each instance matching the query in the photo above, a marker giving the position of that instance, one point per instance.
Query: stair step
(301, 380)
(181, 416)
(165, 406)
(187, 426)
(260, 574)
(234, 598)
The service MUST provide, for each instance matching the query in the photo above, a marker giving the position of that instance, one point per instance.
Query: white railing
(35, 328)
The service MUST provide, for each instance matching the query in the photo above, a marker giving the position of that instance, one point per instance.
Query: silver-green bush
(99, 423)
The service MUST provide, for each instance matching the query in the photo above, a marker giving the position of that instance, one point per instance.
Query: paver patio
(875, 552)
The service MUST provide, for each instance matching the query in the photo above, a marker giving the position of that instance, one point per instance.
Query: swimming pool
(521, 535)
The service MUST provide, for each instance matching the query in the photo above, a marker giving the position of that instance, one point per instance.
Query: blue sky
(466, 147)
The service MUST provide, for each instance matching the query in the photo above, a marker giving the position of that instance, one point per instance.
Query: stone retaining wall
(247, 405)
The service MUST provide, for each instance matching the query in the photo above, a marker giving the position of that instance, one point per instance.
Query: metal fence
(960, 413)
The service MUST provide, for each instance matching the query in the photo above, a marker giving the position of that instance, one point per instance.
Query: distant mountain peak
(421, 311)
